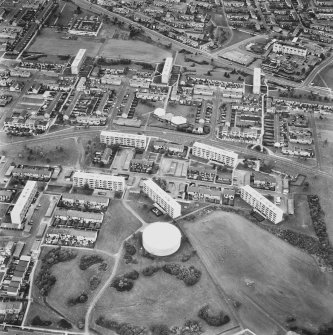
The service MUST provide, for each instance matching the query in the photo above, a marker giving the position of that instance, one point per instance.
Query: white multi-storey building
(23, 203)
(256, 80)
(289, 49)
(128, 140)
(78, 60)
(97, 180)
(163, 199)
(261, 204)
(216, 154)
(167, 70)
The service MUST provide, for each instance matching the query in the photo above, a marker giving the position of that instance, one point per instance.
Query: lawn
(136, 50)
(238, 36)
(161, 298)
(49, 42)
(62, 152)
(325, 77)
(118, 224)
(271, 279)
(71, 282)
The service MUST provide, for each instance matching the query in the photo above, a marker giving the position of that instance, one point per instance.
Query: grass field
(71, 282)
(325, 77)
(50, 42)
(48, 153)
(137, 50)
(285, 280)
(117, 225)
(238, 36)
(161, 298)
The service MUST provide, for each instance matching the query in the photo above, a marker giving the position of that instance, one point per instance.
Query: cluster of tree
(215, 320)
(130, 251)
(325, 329)
(160, 182)
(94, 282)
(189, 275)
(87, 261)
(146, 66)
(160, 329)
(81, 299)
(203, 62)
(37, 321)
(63, 323)
(126, 281)
(319, 225)
(121, 328)
(150, 270)
(45, 279)
(122, 61)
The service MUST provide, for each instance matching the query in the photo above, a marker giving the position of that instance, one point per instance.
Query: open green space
(118, 224)
(59, 151)
(71, 282)
(136, 50)
(161, 298)
(325, 77)
(269, 278)
(238, 36)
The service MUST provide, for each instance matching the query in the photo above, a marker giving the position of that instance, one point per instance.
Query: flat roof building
(163, 199)
(78, 60)
(167, 70)
(256, 80)
(261, 204)
(213, 153)
(97, 180)
(23, 203)
(125, 139)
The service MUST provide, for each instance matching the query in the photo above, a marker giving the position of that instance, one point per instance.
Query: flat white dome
(159, 112)
(161, 238)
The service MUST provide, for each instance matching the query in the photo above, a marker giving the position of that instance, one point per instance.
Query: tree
(78, 10)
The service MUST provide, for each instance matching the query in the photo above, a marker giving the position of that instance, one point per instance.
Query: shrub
(190, 276)
(120, 328)
(160, 329)
(87, 261)
(64, 324)
(81, 299)
(129, 249)
(94, 282)
(172, 269)
(122, 284)
(37, 321)
(150, 270)
(215, 320)
(133, 275)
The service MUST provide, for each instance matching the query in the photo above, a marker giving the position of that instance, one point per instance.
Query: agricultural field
(118, 224)
(269, 278)
(136, 50)
(161, 298)
(62, 152)
(71, 282)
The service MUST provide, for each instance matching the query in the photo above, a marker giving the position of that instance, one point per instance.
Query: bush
(87, 261)
(160, 329)
(190, 276)
(150, 270)
(64, 324)
(129, 249)
(215, 320)
(94, 282)
(81, 299)
(120, 328)
(37, 321)
(122, 284)
(133, 275)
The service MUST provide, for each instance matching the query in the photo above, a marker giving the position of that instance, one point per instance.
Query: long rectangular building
(163, 199)
(97, 180)
(261, 204)
(78, 60)
(125, 139)
(167, 70)
(213, 153)
(23, 203)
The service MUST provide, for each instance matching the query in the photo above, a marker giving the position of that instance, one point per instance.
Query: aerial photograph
(166, 167)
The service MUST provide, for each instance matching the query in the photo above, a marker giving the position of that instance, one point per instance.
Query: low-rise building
(124, 139)
(141, 166)
(203, 193)
(64, 214)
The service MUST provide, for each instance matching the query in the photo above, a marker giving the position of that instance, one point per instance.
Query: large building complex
(128, 140)
(261, 204)
(23, 203)
(256, 80)
(289, 49)
(167, 70)
(78, 61)
(97, 180)
(216, 154)
(163, 199)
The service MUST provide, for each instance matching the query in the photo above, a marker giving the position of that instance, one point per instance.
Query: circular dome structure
(161, 238)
